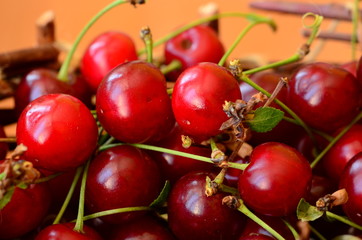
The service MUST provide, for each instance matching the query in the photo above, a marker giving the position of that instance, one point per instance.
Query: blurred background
(17, 24)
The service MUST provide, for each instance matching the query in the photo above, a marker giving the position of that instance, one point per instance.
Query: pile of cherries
(121, 125)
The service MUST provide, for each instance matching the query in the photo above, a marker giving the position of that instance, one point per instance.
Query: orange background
(17, 24)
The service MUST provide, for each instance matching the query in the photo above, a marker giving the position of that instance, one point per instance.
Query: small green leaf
(22, 185)
(162, 197)
(7, 197)
(307, 212)
(265, 119)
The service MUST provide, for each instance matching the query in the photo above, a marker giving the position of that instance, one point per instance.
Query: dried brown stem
(331, 10)
(45, 28)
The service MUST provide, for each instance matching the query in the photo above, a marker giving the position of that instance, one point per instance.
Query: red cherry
(25, 211)
(256, 236)
(122, 176)
(105, 52)
(277, 177)
(325, 96)
(337, 157)
(133, 105)
(59, 132)
(145, 228)
(232, 174)
(198, 98)
(193, 215)
(198, 44)
(65, 231)
(351, 67)
(351, 181)
(173, 167)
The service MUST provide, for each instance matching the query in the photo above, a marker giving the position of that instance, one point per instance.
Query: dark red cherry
(193, 215)
(325, 96)
(277, 177)
(25, 211)
(172, 166)
(351, 67)
(65, 231)
(320, 187)
(337, 157)
(105, 52)
(133, 105)
(198, 98)
(145, 228)
(59, 131)
(351, 181)
(4, 147)
(198, 44)
(256, 236)
(122, 176)
(232, 174)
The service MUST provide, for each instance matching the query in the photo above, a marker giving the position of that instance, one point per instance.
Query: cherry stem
(240, 37)
(282, 83)
(69, 195)
(301, 53)
(47, 178)
(79, 223)
(292, 229)
(336, 139)
(248, 16)
(281, 104)
(8, 140)
(63, 71)
(173, 152)
(354, 36)
(242, 208)
(173, 65)
(343, 220)
(146, 36)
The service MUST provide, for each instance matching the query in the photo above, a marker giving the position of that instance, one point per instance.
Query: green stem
(63, 72)
(69, 195)
(147, 39)
(79, 223)
(48, 178)
(173, 152)
(256, 219)
(174, 65)
(336, 139)
(115, 211)
(343, 220)
(355, 18)
(248, 16)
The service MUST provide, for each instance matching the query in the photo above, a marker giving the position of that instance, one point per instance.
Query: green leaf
(7, 197)
(265, 119)
(307, 212)
(2, 176)
(162, 197)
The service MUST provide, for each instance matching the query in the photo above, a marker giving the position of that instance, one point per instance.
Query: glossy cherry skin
(59, 131)
(145, 228)
(105, 52)
(172, 166)
(198, 44)
(337, 157)
(122, 176)
(351, 181)
(232, 174)
(133, 105)
(65, 231)
(325, 96)
(193, 215)
(277, 177)
(198, 97)
(25, 211)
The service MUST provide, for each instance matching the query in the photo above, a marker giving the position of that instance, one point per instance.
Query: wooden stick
(18, 70)
(24, 56)
(45, 28)
(330, 35)
(332, 10)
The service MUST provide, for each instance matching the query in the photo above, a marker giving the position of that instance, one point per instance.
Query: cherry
(59, 132)
(232, 174)
(337, 157)
(256, 236)
(193, 215)
(42, 81)
(350, 180)
(277, 177)
(325, 96)
(351, 67)
(122, 176)
(105, 52)
(198, 44)
(320, 187)
(25, 211)
(172, 166)
(145, 228)
(133, 97)
(198, 98)
(65, 231)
